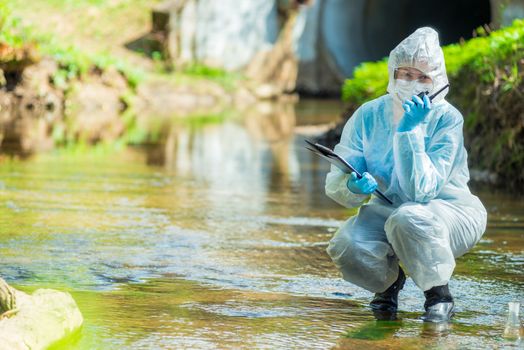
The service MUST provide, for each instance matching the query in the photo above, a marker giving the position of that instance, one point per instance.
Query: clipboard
(339, 162)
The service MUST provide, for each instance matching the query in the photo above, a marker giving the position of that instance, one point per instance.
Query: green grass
(227, 79)
(10, 32)
(78, 62)
(93, 37)
(73, 62)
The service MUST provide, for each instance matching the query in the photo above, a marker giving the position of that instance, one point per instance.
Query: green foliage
(226, 79)
(10, 29)
(73, 62)
(369, 81)
(205, 71)
(157, 56)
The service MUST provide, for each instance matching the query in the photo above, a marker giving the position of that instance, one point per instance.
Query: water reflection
(433, 330)
(213, 235)
(254, 152)
(376, 330)
(26, 122)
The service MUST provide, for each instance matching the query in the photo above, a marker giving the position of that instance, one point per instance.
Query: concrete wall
(330, 37)
(225, 33)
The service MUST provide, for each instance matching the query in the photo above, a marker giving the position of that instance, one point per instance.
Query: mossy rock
(36, 321)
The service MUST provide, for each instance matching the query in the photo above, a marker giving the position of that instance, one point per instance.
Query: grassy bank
(486, 75)
(74, 60)
(86, 40)
(86, 35)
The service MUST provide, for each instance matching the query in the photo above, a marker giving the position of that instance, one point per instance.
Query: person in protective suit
(413, 150)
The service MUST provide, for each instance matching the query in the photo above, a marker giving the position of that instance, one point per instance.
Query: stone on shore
(36, 321)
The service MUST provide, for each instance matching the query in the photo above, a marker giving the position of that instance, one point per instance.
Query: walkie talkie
(421, 95)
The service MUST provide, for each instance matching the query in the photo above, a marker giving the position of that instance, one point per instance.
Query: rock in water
(35, 321)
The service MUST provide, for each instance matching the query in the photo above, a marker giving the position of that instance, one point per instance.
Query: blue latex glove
(416, 111)
(365, 185)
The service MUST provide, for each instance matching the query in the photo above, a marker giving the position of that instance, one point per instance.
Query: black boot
(439, 304)
(385, 304)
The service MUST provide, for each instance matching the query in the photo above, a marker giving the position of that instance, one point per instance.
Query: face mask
(406, 89)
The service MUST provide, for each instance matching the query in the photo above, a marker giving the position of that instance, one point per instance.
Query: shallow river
(213, 235)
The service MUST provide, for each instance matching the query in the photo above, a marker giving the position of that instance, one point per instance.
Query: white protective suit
(434, 218)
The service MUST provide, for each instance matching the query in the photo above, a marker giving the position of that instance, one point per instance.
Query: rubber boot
(385, 304)
(439, 305)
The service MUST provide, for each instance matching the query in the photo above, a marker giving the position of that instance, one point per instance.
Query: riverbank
(52, 93)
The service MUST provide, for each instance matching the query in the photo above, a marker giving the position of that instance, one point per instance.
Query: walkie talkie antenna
(438, 92)
(431, 97)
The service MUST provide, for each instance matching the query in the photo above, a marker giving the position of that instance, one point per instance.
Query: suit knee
(340, 249)
(358, 254)
(409, 220)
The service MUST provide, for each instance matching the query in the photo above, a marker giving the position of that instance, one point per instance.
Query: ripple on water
(239, 309)
(114, 233)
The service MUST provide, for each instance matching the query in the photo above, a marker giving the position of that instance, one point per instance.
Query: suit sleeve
(423, 169)
(350, 148)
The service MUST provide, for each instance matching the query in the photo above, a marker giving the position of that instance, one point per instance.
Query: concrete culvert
(386, 23)
(338, 35)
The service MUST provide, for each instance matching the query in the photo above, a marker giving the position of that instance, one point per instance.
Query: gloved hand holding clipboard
(339, 162)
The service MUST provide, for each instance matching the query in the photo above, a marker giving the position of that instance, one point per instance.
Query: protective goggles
(410, 74)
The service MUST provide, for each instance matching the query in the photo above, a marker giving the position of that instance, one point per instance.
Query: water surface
(213, 236)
